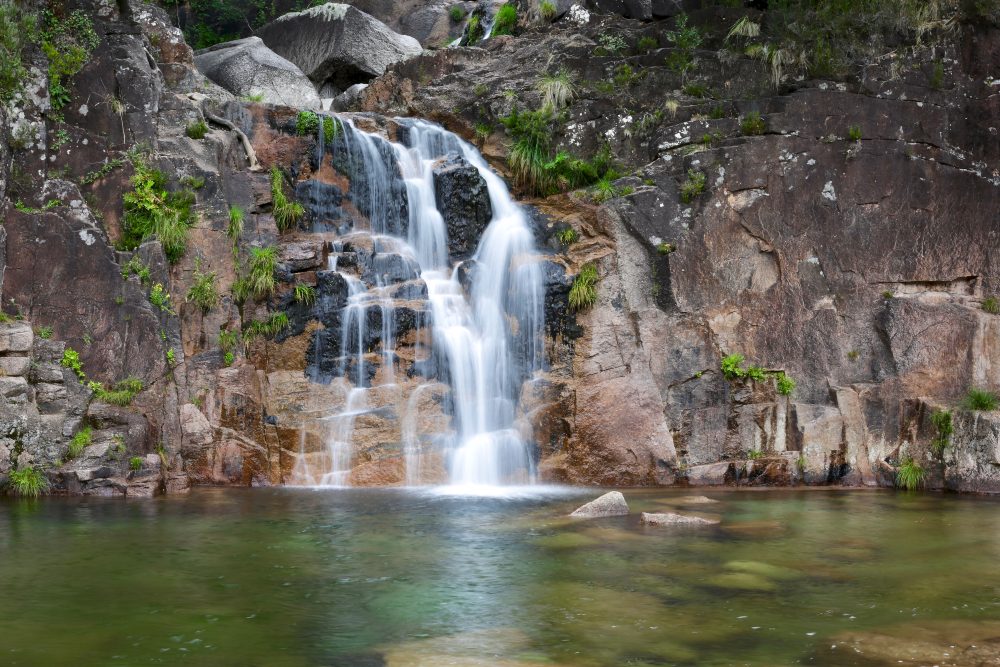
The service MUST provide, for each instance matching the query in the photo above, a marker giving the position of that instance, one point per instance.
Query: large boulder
(464, 202)
(247, 67)
(611, 503)
(337, 45)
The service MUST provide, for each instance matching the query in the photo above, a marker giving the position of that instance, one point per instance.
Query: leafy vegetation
(457, 13)
(784, 384)
(135, 267)
(67, 42)
(307, 123)
(286, 213)
(732, 369)
(28, 482)
(17, 30)
(583, 292)
(981, 400)
(505, 20)
(227, 343)
(910, 474)
(150, 209)
(568, 236)
(135, 463)
(71, 360)
(203, 291)
(159, 297)
(685, 39)
(259, 281)
(44, 332)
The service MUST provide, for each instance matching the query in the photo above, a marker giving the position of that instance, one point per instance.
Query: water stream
(481, 338)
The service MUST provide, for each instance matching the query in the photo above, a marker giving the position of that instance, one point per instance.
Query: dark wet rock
(337, 44)
(247, 67)
(464, 202)
(611, 503)
(322, 202)
(559, 319)
(383, 268)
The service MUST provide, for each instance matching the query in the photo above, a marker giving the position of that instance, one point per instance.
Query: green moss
(307, 123)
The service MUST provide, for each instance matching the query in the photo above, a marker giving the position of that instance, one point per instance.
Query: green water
(276, 577)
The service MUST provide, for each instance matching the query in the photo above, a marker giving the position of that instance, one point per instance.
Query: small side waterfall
(470, 331)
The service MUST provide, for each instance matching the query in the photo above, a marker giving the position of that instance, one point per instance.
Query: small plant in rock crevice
(732, 369)
(854, 133)
(685, 40)
(268, 328)
(753, 124)
(227, 344)
(568, 236)
(159, 297)
(942, 422)
(307, 123)
(910, 474)
(203, 291)
(83, 438)
(456, 13)
(152, 210)
(71, 360)
(44, 332)
(557, 89)
(304, 294)
(505, 20)
(197, 130)
(991, 305)
(693, 187)
(286, 213)
(122, 393)
(981, 400)
(583, 292)
(135, 463)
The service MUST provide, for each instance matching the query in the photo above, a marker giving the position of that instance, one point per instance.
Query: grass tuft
(910, 474)
(981, 400)
(583, 293)
(28, 482)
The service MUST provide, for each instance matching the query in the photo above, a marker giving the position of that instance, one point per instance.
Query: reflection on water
(412, 578)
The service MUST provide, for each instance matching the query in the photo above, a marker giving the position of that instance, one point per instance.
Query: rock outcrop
(248, 69)
(464, 202)
(337, 46)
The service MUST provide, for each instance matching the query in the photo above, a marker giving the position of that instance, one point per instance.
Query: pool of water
(298, 577)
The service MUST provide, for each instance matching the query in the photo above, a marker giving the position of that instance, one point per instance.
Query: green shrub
(647, 44)
(991, 305)
(785, 384)
(685, 39)
(307, 123)
(28, 482)
(752, 124)
(305, 294)
(568, 236)
(530, 151)
(557, 89)
(624, 76)
(457, 13)
(260, 279)
(135, 463)
(152, 210)
(611, 44)
(732, 367)
(135, 267)
(71, 360)
(505, 20)
(44, 332)
(286, 213)
(854, 133)
(910, 474)
(159, 297)
(583, 292)
(171, 357)
(17, 30)
(197, 130)
(227, 343)
(122, 393)
(83, 439)
(483, 132)
(604, 190)
(941, 420)
(756, 373)
(546, 10)
(203, 291)
(981, 400)
(67, 42)
(693, 187)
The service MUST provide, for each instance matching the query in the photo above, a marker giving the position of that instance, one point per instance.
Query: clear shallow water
(392, 577)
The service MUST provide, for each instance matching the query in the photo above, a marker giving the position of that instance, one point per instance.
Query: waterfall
(484, 336)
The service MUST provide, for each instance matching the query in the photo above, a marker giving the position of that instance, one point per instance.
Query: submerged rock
(696, 500)
(247, 67)
(611, 503)
(672, 519)
(337, 45)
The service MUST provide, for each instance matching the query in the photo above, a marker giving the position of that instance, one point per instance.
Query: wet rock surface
(464, 202)
(611, 503)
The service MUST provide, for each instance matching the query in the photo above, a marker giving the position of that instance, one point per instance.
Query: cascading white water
(488, 341)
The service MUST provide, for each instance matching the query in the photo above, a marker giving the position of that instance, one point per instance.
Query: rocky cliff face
(845, 240)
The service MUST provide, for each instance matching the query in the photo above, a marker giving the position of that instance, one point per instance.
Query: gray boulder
(338, 45)
(611, 503)
(348, 98)
(672, 519)
(464, 202)
(247, 67)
